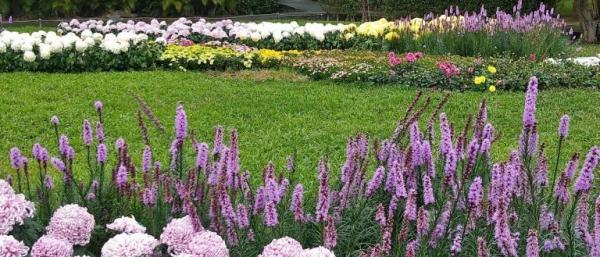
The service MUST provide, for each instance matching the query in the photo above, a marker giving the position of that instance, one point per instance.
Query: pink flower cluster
(183, 241)
(126, 225)
(48, 246)
(448, 68)
(10, 247)
(410, 57)
(288, 247)
(72, 223)
(130, 245)
(14, 208)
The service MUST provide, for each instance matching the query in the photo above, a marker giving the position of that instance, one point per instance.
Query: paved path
(302, 5)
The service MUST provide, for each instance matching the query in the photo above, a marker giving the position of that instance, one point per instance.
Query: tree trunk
(588, 16)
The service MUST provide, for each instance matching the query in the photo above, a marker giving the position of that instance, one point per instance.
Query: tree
(588, 15)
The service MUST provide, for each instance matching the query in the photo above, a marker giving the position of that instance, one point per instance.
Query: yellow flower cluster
(201, 54)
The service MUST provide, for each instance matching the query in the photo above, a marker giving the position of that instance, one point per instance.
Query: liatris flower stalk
(422, 222)
(102, 154)
(563, 128)
(586, 175)
(595, 247)
(446, 134)
(375, 182)
(323, 198)
(457, 242)
(530, 103)
(100, 132)
(243, 220)
(181, 123)
(410, 210)
(99, 109)
(233, 163)
(297, 203)
(482, 250)
(87, 134)
(533, 249)
(122, 178)
(330, 234)
(428, 197)
(380, 215)
(218, 141)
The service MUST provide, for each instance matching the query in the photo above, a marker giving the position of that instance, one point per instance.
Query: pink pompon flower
(126, 225)
(283, 247)
(14, 208)
(205, 244)
(10, 247)
(316, 252)
(72, 223)
(128, 245)
(48, 246)
(177, 234)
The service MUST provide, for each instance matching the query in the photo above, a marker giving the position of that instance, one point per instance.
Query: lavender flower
(446, 132)
(102, 153)
(54, 120)
(147, 159)
(330, 234)
(376, 181)
(271, 217)
(428, 197)
(586, 175)
(475, 196)
(457, 242)
(87, 134)
(15, 158)
(297, 203)
(99, 132)
(119, 144)
(563, 128)
(48, 182)
(482, 250)
(530, 103)
(121, 177)
(202, 156)
(533, 249)
(290, 163)
(380, 215)
(181, 123)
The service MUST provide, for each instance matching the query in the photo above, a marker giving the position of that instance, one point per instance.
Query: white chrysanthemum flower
(80, 46)
(45, 51)
(29, 56)
(255, 37)
(2, 47)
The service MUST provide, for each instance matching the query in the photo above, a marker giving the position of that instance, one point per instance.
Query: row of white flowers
(48, 43)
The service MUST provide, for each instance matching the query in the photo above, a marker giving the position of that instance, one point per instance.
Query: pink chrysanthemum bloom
(206, 244)
(10, 247)
(130, 245)
(178, 234)
(316, 252)
(48, 246)
(283, 247)
(5, 188)
(72, 223)
(126, 225)
(14, 209)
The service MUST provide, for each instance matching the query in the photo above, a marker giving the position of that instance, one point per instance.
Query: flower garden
(458, 134)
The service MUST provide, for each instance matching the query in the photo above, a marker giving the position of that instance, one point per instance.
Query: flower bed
(540, 32)
(446, 72)
(397, 196)
(47, 51)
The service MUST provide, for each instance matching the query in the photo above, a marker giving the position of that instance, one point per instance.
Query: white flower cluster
(585, 61)
(48, 43)
(153, 28)
(279, 31)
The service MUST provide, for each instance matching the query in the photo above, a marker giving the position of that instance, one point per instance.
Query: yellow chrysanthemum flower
(492, 89)
(491, 69)
(479, 80)
(392, 36)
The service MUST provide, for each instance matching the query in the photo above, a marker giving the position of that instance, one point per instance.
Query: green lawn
(274, 117)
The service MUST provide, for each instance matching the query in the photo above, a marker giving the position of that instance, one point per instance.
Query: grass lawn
(274, 117)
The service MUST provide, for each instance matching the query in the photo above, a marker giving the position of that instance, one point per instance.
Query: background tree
(588, 15)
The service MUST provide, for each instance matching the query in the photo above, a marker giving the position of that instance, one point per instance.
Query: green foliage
(96, 8)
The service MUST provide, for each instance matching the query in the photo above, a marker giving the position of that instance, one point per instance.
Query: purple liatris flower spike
(202, 156)
(410, 210)
(147, 159)
(595, 251)
(181, 123)
(15, 158)
(290, 163)
(422, 222)
(36, 151)
(376, 181)
(58, 164)
(428, 197)
(119, 144)
(243, 220)
(218, 141)
(48, 182)
(530, 103)
(99, 106)
(270, 216)
(87, 134)
(102, 153)
(475, 196)
(456, 246)
(380, 215)
(99, 132)
(233, 162)
(586, 175)
(482, 250)
(64, 145)
(330, 234)
(446, 132)
(563, 128)
(533, 249)
(297, 203)
(323, 198)
(121, 177)
(54, 120)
